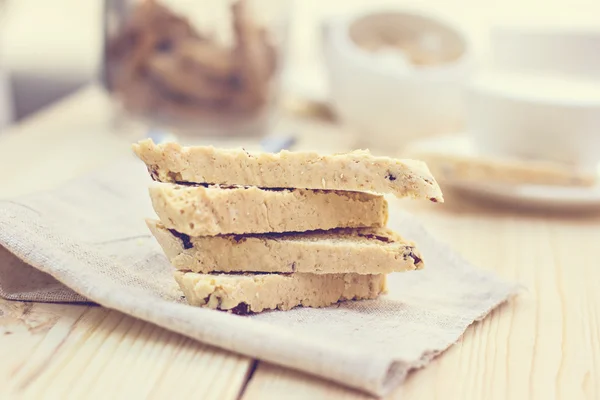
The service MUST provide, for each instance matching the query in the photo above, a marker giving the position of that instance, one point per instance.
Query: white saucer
(533, 196)
(442, 154)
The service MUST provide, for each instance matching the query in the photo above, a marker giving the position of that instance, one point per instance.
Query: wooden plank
(23, 326)
(273, 382)
(67, 351)
(55, 146)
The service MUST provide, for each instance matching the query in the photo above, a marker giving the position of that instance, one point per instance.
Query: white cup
(384, 97)
(536, 117)
(551, 47)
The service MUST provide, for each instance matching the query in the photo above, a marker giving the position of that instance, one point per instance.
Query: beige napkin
(90, 240)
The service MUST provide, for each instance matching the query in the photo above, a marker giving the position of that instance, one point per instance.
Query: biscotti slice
(355, 171)
(209, 211)
(251, 293)
(359, 250)
(455, 158)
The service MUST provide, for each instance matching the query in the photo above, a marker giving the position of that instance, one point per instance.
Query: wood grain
(66, 351)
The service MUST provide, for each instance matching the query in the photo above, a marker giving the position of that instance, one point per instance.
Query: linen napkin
(87, 241)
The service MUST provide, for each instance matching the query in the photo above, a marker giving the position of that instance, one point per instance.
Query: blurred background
(516, 83)
(50, 49)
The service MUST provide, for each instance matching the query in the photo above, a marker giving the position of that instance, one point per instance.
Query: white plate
(533, 196)
(437, 151)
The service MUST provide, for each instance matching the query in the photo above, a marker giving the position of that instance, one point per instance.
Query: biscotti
(209, 211)
(250, 293)
(359, 250)
(355, 171)
(509, 172)
(273, 231)
(456, 159)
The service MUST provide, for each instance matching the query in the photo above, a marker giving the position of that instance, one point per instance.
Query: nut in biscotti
(355, 171)
(360, 251)
(248, 293)
(209, 211)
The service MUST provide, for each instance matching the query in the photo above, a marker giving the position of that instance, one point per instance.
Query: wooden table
(543, 345)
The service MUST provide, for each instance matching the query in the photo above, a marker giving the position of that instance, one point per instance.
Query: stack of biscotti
(251, 232)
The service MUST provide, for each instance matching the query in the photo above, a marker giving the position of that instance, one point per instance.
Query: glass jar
(203, 67)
